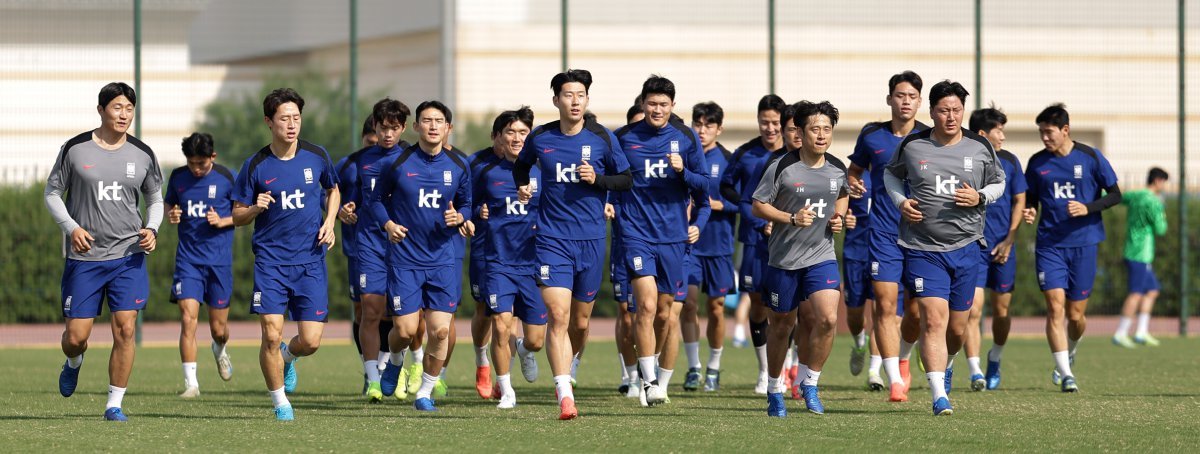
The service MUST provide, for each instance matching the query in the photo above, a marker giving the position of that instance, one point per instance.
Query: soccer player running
(998, 261)
(422, 198)
(856, 289)
(1072, 183)
(348, 187)
(204, 256)
(280, 190)
(710, 263)
(509, 275)
(104, 173)
(481, 321)
(873, 151)
(1144, 220)
(583, 159)
(804, 194)
(619, 277)
(738, 183)
(951, 176)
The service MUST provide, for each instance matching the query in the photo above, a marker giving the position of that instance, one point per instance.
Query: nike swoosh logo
(86, 166)
(272, 180)
(634, 147)
(828, 281)
(139, 301)
(220, 302)
(499, 183)
(411, 174)
(923, 161)
(593, 292)
(367, 167)
(547, 150)
(878, 151)
(320, 312)
(1044, 172)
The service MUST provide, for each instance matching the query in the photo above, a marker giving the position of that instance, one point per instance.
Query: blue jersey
(716, 238)
(573, 209)
(745, 169)
(477, 162)
(414, 190)
(199, 242)
(873, 151)
(347, 175)
(369, 163)
(656, 208)
(511, 225)
(999, 212)
(855, 246)
(1053, 181)
(286, 233)
(460, 242)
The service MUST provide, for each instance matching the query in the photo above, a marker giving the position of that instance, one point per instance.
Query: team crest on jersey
(919, 285)
(1078, 171)
(178, 288)
(212, 191)
(674, 146)
(833, 185)
(447, 177)
(545, 271)
(130, 170)
(258, 298)
(492, 301)
(362, 280)
(308, 176)
(586, 151)
(968, 163)
(874, 268)
(533, 186)
(716, 170)
(637, 263)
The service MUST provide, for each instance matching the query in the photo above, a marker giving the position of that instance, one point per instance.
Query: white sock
(906, 349)
(1143, 326)
(812, 377)
(624, 370)
(801, 372)
(1123, 326)
(279, 398)
(1062, 362)
(973, 361)
(950, 360)
(383, 357)
(371, 368)
(787, 360)
(860, 339)
(692, 349)
(1072, 345)
(75, 361)
(115, 395)
(286, 353)
(505, 381)
(875, 363)
(562, 384)
(442, 374)
(481, 358)
(418, 355)
(774, 384)
(892, 367)
(427, 384)
(739, 333)
(995, 352)
(574, 365)
(937, 384)
(664, 376)
(648, 367)
(631, 373)
(714, 358)
(761, 352)
(189, 375)
(398, 360)
(218, 349)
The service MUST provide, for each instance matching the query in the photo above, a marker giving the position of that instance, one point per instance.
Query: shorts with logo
(372, 263)
(436, 289)
(887, 259)
(858, 288)
(752, 268)
(209, 284)
(947, 275)
(619, 277)
(784, 290)
(663, 261)
(476, 271)
(300, 291)
(515, 291)
(997, 277)
(1141, 277)
(714, 275)
(352, 277)
(123, 283)
(1070, 268)
(577, 265)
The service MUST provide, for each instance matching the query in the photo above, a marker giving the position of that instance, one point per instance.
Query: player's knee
(580, 324)
(123, 333)
(272, 339)
(441, 333)
(825, 324)
(534, 344)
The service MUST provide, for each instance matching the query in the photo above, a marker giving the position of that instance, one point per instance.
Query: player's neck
(710, 146)
(947, 140)
(811, 159)
(109, 139)
(284, 150)
(902, 127)
(1065, 148)
(568, 127)
(430, 149)
(771, 146)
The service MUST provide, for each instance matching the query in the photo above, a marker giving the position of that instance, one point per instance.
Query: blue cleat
(424, 404)
(68, 379)
(941, 407)
(949, 378)
(775, 406)
(1068, 385)
(978, 383)
(115, 414)
(812, 400)
(993, 375)
(712, 380)
(289, 373)
(390, 378)
(284, 413)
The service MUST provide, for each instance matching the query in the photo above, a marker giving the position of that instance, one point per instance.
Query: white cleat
(761, 387)
(507, 401)
(635, 390)
(529, 367)
(655, 395)
(225, 367)
(191, 393)
(642, 396)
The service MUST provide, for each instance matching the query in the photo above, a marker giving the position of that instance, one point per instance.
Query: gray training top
(789, 185)
(933, 172)
(103, 189)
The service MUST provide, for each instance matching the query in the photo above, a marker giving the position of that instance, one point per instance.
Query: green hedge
(31, 270)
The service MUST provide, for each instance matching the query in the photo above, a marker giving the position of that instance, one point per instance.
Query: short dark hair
(1156, 174)
(523, 114)
(987, 119)
(388, 109)
(199, 144)
(771, 102)
(657, 85)
(368, 127)
(805, 109)
(571, 75)
(113, 90)
(633, 111)
(435, 105)
(1054, 115)
(907, 76)
(786, 114)
(279, 97)
(709, 111)
(947, 88)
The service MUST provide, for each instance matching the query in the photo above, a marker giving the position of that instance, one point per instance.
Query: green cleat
(374, 393)
(414, 376)
(440, 389)
(1123, 340)
(1145, 339)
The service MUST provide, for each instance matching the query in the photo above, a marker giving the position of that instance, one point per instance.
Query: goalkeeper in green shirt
(1145, 220)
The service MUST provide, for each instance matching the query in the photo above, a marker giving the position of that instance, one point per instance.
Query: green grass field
(1130, 400)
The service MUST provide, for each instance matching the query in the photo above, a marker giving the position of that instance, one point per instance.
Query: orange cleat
(905, 374)
(899, 393)
(567, 405)
(483, 381)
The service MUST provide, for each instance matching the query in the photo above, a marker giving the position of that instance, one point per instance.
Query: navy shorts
(352, 277)
(1070, 268)
(301, 291)
(122, 282)
(997, 277)
(752, 268)
(515, 292)
(1141, 277)
(208, 284)
(714, 275)
(436, 289)
(577, 265)
(663, 261)
(857, 279)
(887, 258)
(372, 266)
(947, 275)
(786, 289)
(476, 270)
